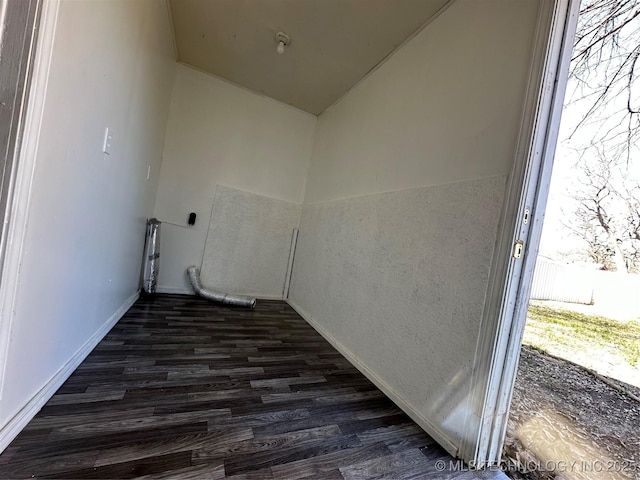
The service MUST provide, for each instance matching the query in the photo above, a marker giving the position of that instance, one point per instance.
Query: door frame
(511, 276)
(19, 22)
(18, 205)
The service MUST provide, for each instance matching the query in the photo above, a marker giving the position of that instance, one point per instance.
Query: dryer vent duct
(151, 265)
(227, 299)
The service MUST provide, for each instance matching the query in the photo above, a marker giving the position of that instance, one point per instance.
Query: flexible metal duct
(237, 300)
(151, 256)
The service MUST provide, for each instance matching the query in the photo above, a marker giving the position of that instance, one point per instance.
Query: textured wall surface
(399, 279)
(220, 134)
(402, 204)
(248, 243)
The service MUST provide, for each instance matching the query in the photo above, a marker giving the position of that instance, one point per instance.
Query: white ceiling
(334, 43)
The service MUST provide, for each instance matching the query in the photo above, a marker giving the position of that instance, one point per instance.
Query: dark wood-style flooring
(182, 388)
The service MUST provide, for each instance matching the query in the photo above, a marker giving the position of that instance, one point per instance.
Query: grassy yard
(585, 339)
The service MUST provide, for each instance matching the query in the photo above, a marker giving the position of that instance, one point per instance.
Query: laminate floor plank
(80, 445)
(149, 466)
(8, 454)
(193, 443)
(72, 419)
(255, 460)
(317, 467)
(390, 434)
(182, 388)
(259, 419)
(165, 387)
(195, 472)
(400, 465)
(249, 447)
(61, 463)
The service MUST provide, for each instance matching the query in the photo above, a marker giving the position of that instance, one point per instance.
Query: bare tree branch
(604, 68)
(607, 213)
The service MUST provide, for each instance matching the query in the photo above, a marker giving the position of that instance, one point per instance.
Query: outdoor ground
(606, 345)
(567, 421)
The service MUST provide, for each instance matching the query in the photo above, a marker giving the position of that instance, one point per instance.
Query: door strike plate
(518, 247)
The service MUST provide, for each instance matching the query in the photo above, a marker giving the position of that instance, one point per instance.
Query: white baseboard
(20, 420)
(267, 297)
(175, 290)
(394, 396)
(188, 291)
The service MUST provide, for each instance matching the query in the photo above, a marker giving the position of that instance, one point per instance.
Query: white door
(512, 273)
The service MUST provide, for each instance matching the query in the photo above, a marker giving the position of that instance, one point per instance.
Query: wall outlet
(108, 139)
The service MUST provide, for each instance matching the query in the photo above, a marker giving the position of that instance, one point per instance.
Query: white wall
(444, 108)
(397, 280)
(112, 65)
(221, 134)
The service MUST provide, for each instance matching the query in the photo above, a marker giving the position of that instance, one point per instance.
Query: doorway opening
(576, 402)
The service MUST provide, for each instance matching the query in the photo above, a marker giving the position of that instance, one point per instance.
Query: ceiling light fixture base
(282, 39)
